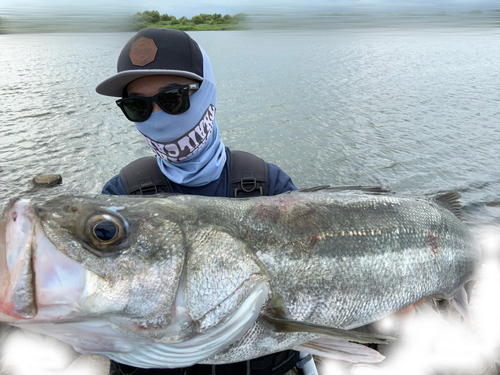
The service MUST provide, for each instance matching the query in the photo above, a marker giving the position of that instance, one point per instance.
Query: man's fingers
(407, 314)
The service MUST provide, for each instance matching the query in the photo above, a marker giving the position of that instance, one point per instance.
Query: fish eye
(104, 233)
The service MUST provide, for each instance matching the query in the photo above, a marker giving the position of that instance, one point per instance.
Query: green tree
(137, 22)
(154, 16)
(137, 17)
(202, 21)
(197, 20)
(205, 17)
(240, 17)
(148, 16)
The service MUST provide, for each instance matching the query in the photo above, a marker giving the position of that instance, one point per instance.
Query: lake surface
(414, 110)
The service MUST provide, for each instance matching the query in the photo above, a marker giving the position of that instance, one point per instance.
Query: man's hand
(407, 314)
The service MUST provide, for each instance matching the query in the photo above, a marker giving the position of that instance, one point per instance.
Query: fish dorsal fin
(284, 325)
(450, 201)
(314, 188)
(364, 189)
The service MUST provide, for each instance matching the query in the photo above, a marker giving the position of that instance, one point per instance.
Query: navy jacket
(279, 182)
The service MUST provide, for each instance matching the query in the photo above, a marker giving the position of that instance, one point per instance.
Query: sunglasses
(173, 100)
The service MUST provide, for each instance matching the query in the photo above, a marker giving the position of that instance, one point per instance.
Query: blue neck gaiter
(188, 146)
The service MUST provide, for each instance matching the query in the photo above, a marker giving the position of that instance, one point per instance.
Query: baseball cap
(155, 51)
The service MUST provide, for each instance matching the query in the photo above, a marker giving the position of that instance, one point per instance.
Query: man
(167, 87)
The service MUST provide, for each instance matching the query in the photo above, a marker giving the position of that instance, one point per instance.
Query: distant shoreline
(201, 27)
(241, 21)
(201, 22)
(43, 30)
(73, 23)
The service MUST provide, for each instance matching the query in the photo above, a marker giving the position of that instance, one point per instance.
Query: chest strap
(144, 177)
(248, 176)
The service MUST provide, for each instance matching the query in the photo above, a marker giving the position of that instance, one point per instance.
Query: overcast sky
(190, 8)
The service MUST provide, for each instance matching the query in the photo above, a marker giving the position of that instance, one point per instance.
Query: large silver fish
(169, 282)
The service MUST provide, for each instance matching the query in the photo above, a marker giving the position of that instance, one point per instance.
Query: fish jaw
(37, 282)
(17, 298)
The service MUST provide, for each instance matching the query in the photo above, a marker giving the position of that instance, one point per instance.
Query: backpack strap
(248, 175)
(144, 177)
(275, 364)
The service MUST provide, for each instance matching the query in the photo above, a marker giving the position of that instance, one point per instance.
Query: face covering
(188, 146)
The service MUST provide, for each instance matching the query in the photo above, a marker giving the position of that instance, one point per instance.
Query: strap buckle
(300, 364)
(246, 190)
(147, 187)
(248, 184)
(248, 181)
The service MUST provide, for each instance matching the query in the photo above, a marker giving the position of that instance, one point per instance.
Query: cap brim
(113, 86)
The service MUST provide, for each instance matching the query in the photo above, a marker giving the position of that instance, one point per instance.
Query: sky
(190, 8)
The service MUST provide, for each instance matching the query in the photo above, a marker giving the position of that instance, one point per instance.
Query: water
(413, 110)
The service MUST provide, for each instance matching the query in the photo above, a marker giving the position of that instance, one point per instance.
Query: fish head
(115, 273)
(68, 258)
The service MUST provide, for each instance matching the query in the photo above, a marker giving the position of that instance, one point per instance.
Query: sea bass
(177, 280)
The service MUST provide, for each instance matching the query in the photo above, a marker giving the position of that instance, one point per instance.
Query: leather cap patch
(143, 51)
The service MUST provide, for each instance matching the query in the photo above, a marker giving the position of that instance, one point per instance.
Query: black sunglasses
(173, 100)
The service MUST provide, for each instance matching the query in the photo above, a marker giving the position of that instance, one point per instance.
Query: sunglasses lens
(175, 102)
(136, 109)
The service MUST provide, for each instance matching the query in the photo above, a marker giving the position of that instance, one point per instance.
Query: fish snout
(17, 298)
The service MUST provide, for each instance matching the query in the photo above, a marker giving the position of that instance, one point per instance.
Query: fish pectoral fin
(459, 302)
(200, 346)
(284, 325)
(341, 349)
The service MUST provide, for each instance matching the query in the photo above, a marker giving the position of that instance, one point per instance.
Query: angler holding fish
(199, 283)
(168, 90)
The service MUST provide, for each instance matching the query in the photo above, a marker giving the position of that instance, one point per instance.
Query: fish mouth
(37, 281)
(17, 292)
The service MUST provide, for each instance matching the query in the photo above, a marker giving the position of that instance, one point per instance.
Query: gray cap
(155, 52)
